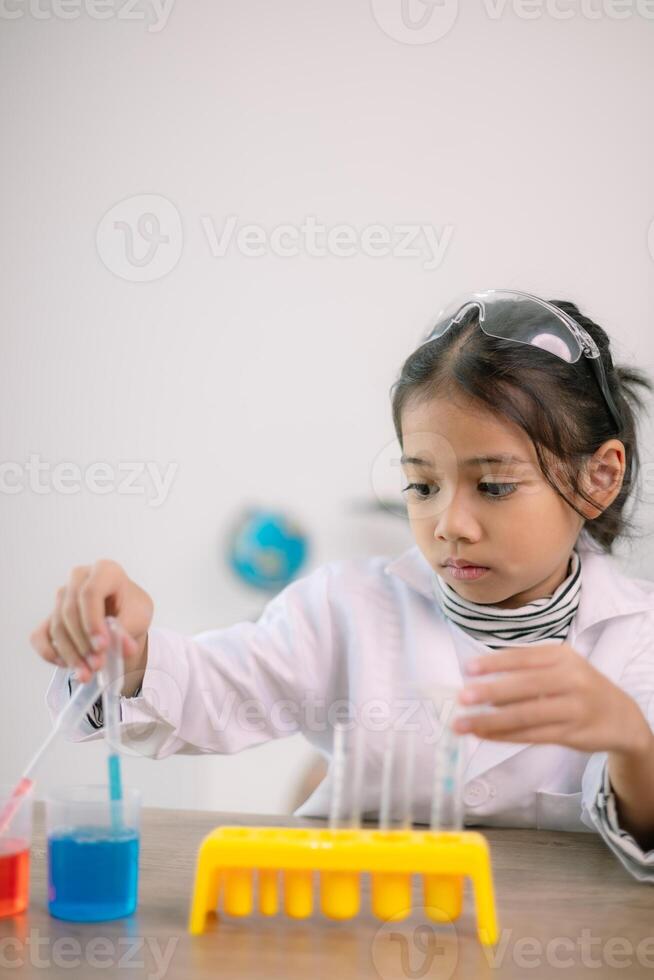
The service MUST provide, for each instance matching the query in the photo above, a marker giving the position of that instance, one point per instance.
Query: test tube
(407, 782)
(385, 803)
(399, 746)
(340, 888)
(447, 795)
(357, 759)
(443, 894)
(338, 776)
(111, 679)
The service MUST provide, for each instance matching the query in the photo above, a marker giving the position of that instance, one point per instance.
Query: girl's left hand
(550, 693)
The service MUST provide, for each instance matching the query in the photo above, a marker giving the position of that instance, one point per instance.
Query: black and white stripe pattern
(543, 619)
(95, 716)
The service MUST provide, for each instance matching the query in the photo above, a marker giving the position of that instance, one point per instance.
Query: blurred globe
(267, 549)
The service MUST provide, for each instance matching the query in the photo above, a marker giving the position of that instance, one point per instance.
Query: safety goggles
(526, 319)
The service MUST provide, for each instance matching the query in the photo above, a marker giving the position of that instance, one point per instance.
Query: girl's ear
(602, 477)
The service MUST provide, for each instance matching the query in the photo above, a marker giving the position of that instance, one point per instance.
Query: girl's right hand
(76, 636)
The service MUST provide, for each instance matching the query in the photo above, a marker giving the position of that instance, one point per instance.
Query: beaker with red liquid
(15, 841)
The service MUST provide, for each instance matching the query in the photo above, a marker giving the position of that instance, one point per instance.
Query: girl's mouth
(468, 572)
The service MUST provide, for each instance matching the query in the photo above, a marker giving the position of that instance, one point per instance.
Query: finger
(518, 685)
(517, 717)
(128, 645)
(40, 641)
(514, 658)
(103, 582)
(70, 610)
(63, 644)
(555, 734)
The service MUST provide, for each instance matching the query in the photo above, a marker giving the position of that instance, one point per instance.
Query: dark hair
(561, 408)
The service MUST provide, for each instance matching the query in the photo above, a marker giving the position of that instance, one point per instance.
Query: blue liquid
(93, 873)
(115, 782)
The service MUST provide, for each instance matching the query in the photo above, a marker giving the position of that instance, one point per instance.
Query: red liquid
(14, 876)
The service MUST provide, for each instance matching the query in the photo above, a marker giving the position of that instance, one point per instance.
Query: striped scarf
(547, 618)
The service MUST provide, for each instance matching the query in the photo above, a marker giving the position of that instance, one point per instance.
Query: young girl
(519, 453)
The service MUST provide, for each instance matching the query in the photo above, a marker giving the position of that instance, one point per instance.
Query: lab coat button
(476, 793)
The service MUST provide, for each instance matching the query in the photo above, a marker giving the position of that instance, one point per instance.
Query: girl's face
(479, 495)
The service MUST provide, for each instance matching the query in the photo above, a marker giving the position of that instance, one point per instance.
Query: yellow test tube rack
(229, 857)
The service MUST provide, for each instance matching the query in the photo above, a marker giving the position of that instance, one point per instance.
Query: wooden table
(566, 906)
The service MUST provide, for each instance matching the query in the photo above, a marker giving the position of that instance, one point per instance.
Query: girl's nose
(456, 520)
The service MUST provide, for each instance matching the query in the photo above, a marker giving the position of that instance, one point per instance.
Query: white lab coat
(368, 636)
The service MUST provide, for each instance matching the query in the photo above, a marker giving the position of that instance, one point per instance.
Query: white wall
(266, 379)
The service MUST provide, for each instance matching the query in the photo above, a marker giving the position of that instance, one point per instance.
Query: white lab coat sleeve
(599, 807)
(62, 685)
(227, 689)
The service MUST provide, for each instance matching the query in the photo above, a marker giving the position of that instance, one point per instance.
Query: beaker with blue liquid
(93, 853)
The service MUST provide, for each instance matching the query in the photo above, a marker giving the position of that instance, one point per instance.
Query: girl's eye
(421, 490)
(505, 490)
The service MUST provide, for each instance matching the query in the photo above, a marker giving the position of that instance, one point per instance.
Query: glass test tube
(447, 789)
(397, 780)
(387, 780)
(347, 767)
(409, 745)
(338, 776)
(357, 762)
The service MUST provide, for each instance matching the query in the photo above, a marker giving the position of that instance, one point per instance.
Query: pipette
(78, 705)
